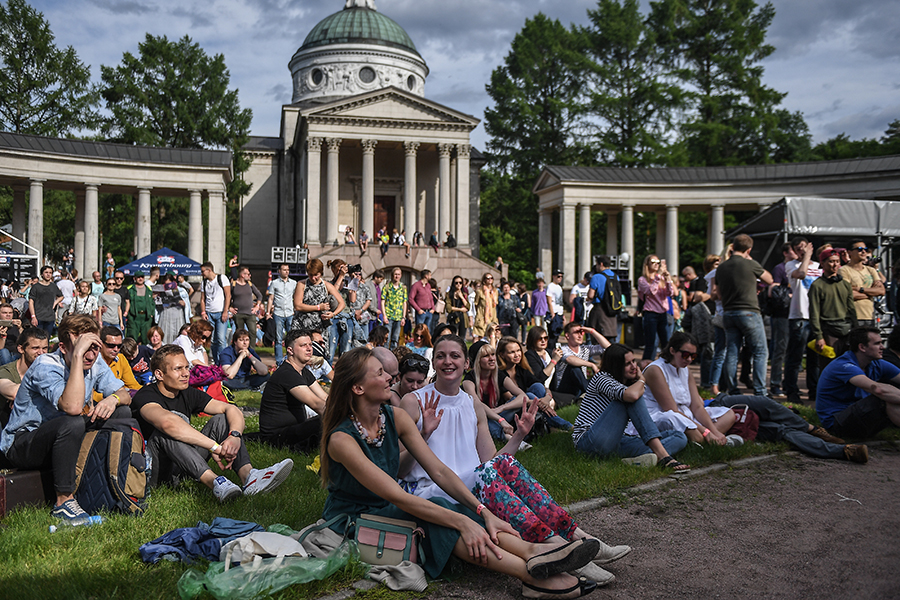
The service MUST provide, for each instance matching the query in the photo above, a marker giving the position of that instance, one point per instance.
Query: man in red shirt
(422, 300)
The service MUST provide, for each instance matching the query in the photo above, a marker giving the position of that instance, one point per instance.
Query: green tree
(631, 94)
(715, 47)
(173, 94)
(43, 90)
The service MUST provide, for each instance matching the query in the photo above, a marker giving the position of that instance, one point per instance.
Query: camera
(351, 269)
(873, 261)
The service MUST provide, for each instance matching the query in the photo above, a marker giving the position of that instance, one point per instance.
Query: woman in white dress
(674, 402)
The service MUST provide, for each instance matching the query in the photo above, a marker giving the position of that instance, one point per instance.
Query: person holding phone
(654, 288)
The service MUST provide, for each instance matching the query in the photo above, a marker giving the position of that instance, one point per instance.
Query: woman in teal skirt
(360, 430)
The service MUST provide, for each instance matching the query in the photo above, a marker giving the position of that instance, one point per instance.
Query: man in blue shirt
(53, 408)
(854, 398)
(242, 364)
(607, 325)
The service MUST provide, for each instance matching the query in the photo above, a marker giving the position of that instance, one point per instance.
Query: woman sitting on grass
(413, 371)
(455, 427)
(511, 355)
(500, 395)
(360, 471)
(674, 402)
(540, 360)
(614, 396)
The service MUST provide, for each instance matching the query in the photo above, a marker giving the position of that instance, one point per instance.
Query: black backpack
(611, 299)
(113, 469)
(778, 304)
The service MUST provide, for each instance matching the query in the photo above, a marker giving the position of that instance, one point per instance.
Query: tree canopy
(43, 90)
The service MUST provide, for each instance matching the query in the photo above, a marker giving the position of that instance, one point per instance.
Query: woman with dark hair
(539, 358)
(674, 402)
(360, 471)
(343, 323)
(194, 341)
(654, 288)
(444, 329)
(511, 357)
(379, 336)
(614, 397)
(508, 309)
(457, 304)
(413, 372)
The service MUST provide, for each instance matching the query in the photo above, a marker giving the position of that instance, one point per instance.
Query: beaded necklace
(378, 439)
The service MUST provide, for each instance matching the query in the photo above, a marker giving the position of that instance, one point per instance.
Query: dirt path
(774, 529)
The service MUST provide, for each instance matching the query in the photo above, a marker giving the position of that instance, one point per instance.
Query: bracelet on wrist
(480, 509)
(215, 447)
(706, 433)
(118, 400)
(501, 419)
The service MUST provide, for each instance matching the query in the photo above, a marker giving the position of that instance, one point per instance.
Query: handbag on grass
(386, 541)
(747, 423)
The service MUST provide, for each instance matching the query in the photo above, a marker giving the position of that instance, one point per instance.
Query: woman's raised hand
(431, 416)
(525, 421)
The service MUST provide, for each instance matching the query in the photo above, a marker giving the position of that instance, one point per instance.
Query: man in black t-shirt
(292, 401)
(43, 299)
(163, 410)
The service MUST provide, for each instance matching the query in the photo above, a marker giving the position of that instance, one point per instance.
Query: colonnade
(442, 201)
(87, 227)
(667, 245)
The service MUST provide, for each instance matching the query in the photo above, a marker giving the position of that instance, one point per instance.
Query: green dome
(358, 25)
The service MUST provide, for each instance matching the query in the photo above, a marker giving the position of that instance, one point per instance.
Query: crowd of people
(424, 384)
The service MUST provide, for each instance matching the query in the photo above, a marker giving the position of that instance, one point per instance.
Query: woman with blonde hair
(499, 393)
(485, 305)
(654, 288)
(360, 461)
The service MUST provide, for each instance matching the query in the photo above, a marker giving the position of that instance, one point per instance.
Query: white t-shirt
(215, 294)
(555, 292)
(191, 351)
(710, 278)
(67, 287)
(581, 291)
(800, 288)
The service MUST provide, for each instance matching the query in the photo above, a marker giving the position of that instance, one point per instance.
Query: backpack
(113, 469)
(578, 309)
(611, 299)
(778, 304)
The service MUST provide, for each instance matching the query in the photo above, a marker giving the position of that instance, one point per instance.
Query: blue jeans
(425, 317)
(537, 390)
(395, 327)
(655, 326)
(780, 336)
(797, 340)
(282, 325)
(220, 334)
(740, 327)
(606, 435)
(245, 383)
(6, 356)
(718, 361)
(340, 335)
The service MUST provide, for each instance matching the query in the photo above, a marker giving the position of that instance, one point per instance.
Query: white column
(216, 239)
(92, 229)
(314, 190)
(36, 218)
(195, 226)
(660, 249)
(444, 200)
(332, 191)
(410, 222)
(462, 194)
(79, 232)
(628, 240)
(584, 241)
(367, 203)
(453, 225)
(672, 239)
(143, 220)
(717, 229)
(545, 237)
(19, 217)
(567, 244)
(612, 233)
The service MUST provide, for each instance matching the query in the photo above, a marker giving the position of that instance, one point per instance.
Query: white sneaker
(225, 489)
(523, 446)
(644, 460)
(734, 440)
(266, 480)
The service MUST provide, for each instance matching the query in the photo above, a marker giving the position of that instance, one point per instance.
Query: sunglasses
(654, 262)
(108, 345)
(688, 355)
(207, 337)
(860, 248)
(544, 337)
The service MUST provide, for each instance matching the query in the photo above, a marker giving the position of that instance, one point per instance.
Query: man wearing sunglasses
(866, 281)
(111, 352)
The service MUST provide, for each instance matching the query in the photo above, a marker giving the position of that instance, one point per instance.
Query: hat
(558, 272)
(828, 253)
(138, 274)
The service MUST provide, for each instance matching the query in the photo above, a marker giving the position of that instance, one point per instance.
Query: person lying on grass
(614, 397)
(360, 459)
(455, 427)
(163, 410)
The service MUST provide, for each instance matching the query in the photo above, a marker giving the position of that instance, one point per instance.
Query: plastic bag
(264, 576)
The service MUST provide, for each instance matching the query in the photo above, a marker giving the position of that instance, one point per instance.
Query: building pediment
(390, 107)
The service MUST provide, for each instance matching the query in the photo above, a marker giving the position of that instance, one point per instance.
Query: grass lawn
(103, 562)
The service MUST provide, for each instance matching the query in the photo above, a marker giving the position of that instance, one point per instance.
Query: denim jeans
(655, 327)
(252, 381)
(707, 353)
(740, 327)
(425, 317)
(797, 340)
(340, 333)
(719, 354)
(780, 334)
(605, 437)
(395, 327)
(572, 381)
(220, 334)
(282, 325)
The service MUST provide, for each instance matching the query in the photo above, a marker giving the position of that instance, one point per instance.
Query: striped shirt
(601, 390)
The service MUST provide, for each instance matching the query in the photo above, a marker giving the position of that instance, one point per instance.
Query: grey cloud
(198, 19)
(123, 7)
(279, 93)
(869, 123)
(836, 106)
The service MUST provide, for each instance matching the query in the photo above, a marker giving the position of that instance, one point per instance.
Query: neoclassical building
(361, 146)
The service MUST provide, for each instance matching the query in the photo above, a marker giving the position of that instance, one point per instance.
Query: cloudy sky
(838, 60)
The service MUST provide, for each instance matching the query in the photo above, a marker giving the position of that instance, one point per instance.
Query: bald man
(388, 361)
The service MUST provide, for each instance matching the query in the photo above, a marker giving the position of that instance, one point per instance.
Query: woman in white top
(455, 427)
(674, 402)
(83, 302)
(193, 342)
